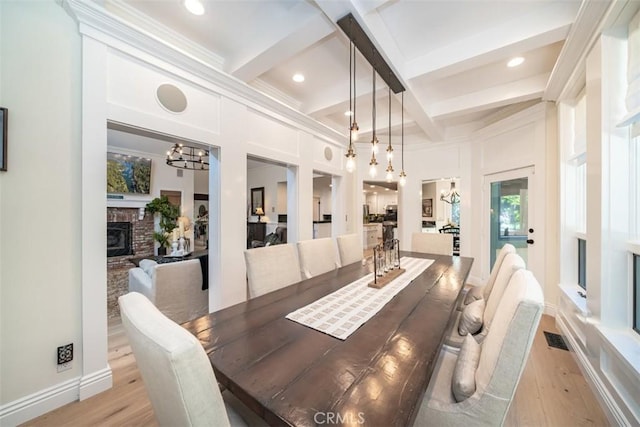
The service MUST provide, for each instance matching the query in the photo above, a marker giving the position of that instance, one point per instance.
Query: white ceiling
(450, 55)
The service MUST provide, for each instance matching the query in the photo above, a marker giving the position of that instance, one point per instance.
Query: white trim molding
(36, 404)
(611, 408)
(96, 22)
(95, 383)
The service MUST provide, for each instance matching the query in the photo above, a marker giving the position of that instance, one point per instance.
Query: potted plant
(168, 218)
(163, 240)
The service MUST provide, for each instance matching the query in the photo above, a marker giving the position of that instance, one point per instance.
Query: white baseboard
(550, 309)
(36, 404)
(611, 408)
(95, 383)
(43, 401)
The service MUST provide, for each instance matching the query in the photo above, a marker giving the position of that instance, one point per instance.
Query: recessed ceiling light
(299, 78)
(514, 62)
(194, 6)
(348, 113)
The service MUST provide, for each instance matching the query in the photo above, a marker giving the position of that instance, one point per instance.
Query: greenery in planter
(168, 218)
(162, 238)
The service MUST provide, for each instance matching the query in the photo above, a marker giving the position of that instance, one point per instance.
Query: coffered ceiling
(451, 56)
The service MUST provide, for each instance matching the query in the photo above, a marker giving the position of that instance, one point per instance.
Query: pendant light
(354, 129)
(403, 176)
(351, 155)
(374, 140)
(389, 147)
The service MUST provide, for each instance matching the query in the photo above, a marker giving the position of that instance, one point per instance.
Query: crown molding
(267, 89)
(151, 26)
(96, 22)
(584, 32)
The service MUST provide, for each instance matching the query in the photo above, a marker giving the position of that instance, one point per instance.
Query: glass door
(510, 214)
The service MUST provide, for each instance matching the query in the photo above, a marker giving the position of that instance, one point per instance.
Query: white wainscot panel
(510, 149)
(266, 133)
(621, 377)
(574, 319)
(326, 154)
(132, 85)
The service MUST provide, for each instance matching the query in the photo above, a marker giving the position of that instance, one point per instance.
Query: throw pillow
(271, 239)
(474, 294)
(147, 265)
(463, 382)
(471, 318)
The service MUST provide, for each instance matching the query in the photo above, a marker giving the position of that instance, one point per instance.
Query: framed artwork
(3, 138)
(257, 199)
(427, 207)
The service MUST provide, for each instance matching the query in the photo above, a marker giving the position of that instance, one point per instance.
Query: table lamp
(259, 212)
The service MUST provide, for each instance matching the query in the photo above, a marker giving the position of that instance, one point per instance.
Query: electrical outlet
(65, 356)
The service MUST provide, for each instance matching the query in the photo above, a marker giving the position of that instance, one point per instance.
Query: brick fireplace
(140, 240)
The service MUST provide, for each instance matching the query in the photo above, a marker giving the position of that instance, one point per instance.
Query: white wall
(40, 246)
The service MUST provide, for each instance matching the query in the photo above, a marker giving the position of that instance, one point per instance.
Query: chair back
(350, 248)
(511, 264)
(508, 248)
(175, 369)
(506, 348)
(500, 362)
(271, 268)
(432, 243)
(317, 256)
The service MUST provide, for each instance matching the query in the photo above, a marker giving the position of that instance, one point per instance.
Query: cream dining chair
(350, 248)
(476, 386)
(317, 256)
(432, 243)
(271, 268)
(176, 371)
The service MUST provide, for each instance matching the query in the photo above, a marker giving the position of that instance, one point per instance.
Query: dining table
(291, 374)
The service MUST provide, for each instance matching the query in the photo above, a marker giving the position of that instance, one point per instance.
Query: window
(582, 263)
(636, 293)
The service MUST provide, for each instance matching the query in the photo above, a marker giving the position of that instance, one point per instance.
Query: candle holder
(386, 263)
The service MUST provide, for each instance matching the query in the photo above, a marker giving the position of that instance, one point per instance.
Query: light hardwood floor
(552, 391)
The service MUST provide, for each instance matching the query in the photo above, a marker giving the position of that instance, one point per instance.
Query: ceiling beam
(494, 97)
(308, 33)
(548, 26)
(356, 34)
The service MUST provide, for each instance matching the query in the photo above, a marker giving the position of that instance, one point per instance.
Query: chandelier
(185, 157)
(452, 196)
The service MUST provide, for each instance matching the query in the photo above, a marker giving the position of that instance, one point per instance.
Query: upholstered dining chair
(317, 256)
(175, 369)
(432, 243)
(350, 248)
(477, 316)
(271, 268)
(476, 386)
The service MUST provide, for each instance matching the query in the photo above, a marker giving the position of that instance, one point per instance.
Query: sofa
(174, 288)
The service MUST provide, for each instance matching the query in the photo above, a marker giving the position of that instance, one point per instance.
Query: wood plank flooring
(552, 391)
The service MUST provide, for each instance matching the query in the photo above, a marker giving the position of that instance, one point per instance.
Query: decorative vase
(162, 251)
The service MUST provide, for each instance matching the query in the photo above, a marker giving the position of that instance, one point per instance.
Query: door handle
(530, 241)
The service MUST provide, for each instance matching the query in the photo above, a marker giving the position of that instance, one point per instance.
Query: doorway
(510, 215)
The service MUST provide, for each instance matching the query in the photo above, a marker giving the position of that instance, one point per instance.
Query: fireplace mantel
(139, 204)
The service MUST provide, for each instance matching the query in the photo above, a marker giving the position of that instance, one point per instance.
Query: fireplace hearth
(119, 239)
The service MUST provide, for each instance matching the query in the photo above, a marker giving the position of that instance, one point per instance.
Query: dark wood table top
(294, 375)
